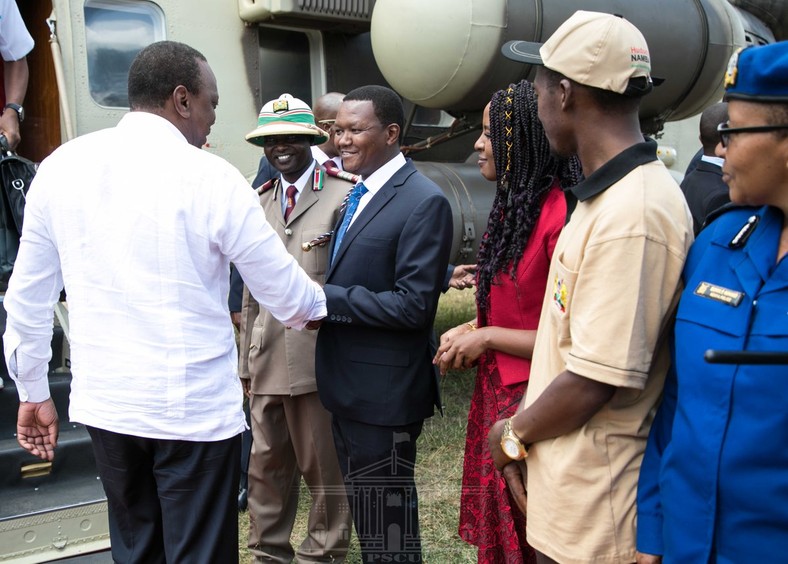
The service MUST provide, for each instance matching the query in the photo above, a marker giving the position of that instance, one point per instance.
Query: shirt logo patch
(559, 294)
(719, 294)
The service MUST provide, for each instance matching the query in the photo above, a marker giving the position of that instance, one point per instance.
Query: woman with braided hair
(527, 215)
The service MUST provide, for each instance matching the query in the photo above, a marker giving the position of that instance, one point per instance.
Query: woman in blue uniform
(714, 481)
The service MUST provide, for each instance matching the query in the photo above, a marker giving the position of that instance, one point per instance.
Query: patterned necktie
(290, 194)
(352, 205)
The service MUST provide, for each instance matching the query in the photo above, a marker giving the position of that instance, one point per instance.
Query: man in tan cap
(291, 430)
(601, 353)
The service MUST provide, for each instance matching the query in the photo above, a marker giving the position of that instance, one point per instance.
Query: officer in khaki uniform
(291, 429)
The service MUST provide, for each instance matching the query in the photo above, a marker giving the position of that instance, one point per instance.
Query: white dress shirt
(15, 39)
(376, 181)
(141, 228)
(321, 157)
(713, 160)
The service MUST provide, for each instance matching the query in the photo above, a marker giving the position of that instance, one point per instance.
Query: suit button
(332, 317)
(288, 231)
(349, 319)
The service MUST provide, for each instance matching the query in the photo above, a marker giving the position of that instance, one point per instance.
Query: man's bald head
(325, 109)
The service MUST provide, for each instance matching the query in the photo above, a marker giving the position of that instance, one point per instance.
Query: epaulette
(747, 228)
(343, 174)
(266, 186)
(322, 240)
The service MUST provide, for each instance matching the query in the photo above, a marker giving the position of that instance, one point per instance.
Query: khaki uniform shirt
(281, 361)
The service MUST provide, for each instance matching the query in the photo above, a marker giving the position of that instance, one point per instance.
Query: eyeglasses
(326, 124)
(725, 131)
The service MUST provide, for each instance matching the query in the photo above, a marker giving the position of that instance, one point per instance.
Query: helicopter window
(116, 30)
(285, 63)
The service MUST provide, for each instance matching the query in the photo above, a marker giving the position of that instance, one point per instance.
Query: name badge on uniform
(719, 294)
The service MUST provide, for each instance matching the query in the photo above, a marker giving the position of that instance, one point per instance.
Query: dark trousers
(168, 500)
(378, 465)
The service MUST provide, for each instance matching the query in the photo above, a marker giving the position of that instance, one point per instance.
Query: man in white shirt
(15, 44)
(140, 225)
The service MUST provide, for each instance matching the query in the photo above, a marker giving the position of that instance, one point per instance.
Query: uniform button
(332, 317)
(288, 231)
(349, 319)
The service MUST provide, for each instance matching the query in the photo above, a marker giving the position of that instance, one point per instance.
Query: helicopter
(443, 57)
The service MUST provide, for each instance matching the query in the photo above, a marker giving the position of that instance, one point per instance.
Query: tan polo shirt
(612, 290)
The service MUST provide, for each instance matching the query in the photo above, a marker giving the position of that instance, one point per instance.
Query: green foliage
(441, 449)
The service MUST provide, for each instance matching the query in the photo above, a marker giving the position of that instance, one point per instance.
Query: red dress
(489, 518)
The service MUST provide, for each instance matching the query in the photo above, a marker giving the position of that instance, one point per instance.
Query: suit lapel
(375, 205)
(274, 209)
(709, 167)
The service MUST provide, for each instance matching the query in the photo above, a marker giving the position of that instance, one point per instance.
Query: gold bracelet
(472, 325)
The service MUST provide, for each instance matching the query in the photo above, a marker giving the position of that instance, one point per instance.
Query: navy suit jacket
(375, 347)
(704, 191)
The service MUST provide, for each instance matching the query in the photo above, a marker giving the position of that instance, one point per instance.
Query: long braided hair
(525, 170)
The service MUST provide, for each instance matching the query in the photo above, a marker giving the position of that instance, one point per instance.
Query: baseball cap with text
(593, 49)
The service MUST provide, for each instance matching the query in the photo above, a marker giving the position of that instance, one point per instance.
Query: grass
(438, 466)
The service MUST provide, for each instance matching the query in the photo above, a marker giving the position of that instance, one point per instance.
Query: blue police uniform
(714, 480)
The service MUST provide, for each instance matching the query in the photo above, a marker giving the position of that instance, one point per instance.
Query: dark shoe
(242, 499)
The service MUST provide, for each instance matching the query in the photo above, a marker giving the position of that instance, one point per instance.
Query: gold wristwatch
(511, 444)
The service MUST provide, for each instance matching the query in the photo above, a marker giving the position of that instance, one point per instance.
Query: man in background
(703, 186)
(326, 107)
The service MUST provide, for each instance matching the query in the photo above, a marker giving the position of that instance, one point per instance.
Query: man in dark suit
(703, 186)
(374, 352)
